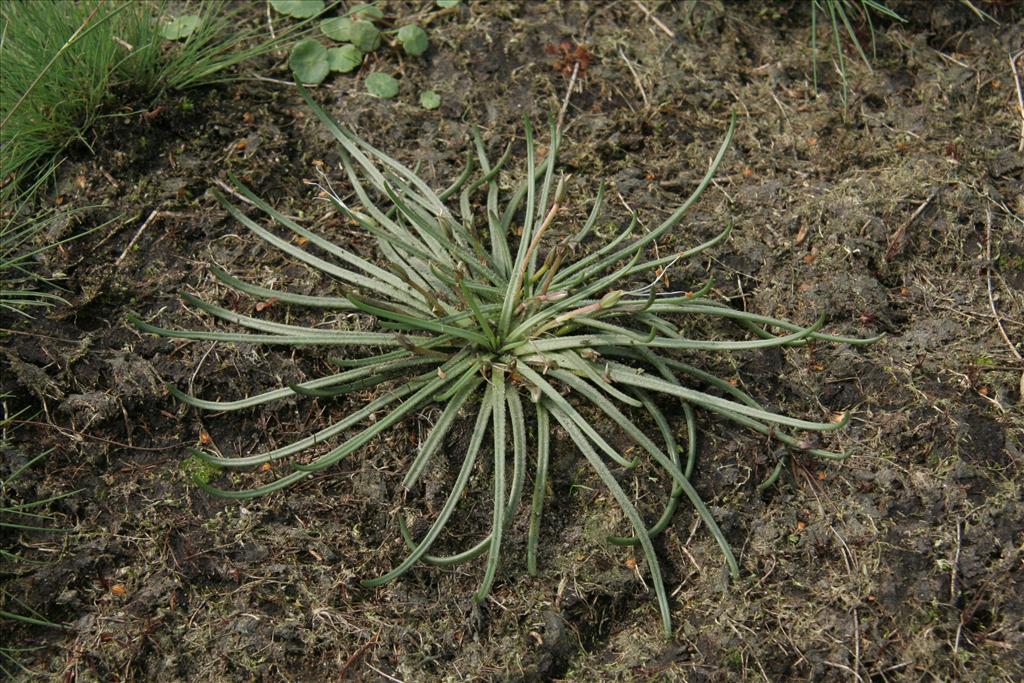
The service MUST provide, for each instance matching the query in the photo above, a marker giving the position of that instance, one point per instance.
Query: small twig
(123, 43)
(138, 233)
(988, 278)
(192, 379)
(74, 435)
(846, 669)
(690, 557)
(982, 14)
(555, 206)
(720, 189)
(356, 655)
(657, 22)
(390, 678)
(233, 192)
(568, 94)
(898, 239)
(988, 272)
(782, 107)
(956, 61)
(278, 81)
(743, 297)
(955, 569)
(443, 12)
(954, 589)
(270, 23)
(1020, 95)
(110, 179)
(625, 203)
(660, 274)
(856, 643)
(636, 78)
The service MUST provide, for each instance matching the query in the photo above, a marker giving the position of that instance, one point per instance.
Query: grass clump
(17, 517)
(473, 306)
(64, 62)
(25, 224)
(20, 228)
(842, 15)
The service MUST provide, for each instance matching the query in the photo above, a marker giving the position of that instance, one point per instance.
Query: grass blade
(627, 507)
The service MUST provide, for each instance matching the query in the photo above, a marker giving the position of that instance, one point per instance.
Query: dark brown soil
(905, 562)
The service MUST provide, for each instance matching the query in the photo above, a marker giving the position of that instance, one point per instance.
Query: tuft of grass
(17, 517)
(63, 62)
(22, 224)
(841, 16)
(474, 307)
(20, 228)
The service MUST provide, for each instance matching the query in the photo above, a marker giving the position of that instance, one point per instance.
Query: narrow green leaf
(539, 486)
(318, 437)
(377, 279)
(513, 294)
(419, 323)
(627, 506)
(626, 375)
(670, 447)
(681, 211)
(347, 339)
(279, 295)
(464, 387)
(483, 417)
(497, 398)
(558, 401)
(670, 466)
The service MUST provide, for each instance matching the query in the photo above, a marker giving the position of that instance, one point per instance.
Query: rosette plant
(472, 308)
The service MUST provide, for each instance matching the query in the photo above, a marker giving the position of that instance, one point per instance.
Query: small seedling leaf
(179, 27)
(308, 61)
(364, 35)
(344, 58)
(381, 85)
(413, 39)
(366, 11)
(445, 4)
(430, 99)
(300, 9)
(337, 28)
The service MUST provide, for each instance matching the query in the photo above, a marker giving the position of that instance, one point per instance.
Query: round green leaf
(179, 27)
(308, 61)
(382, 85)
(413, 39)
(344, 58)
(364, 35)
(300, 9)
(430, 99)
(366, 11)
(337, 28)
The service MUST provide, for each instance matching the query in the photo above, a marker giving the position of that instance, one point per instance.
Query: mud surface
(896, 214)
